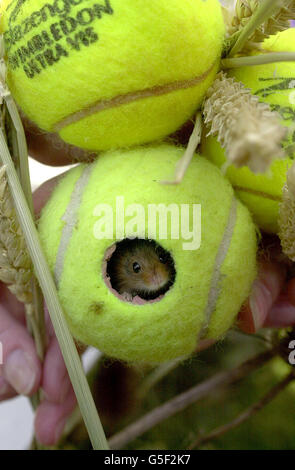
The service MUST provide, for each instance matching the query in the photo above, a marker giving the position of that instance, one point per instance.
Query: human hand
(272, 301)
(21, 371)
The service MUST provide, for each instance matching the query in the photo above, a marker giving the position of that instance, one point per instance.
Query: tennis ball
(110, 73)
(211, 240)
(273, 84)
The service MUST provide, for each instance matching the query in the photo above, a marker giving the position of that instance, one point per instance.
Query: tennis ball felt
(211, 283)
(111, 73)
(273, 84)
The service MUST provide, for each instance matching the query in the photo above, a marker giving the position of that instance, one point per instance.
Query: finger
(43, 193)
(281, 315)
(56, 382)
(50, 149)
(21, 367)
(265, 292)
(51, 418)
(10, 303)
(81, 347)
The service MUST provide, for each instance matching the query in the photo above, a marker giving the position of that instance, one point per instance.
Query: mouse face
(146, 269)
(141, 267)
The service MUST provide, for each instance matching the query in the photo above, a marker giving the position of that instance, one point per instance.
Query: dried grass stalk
(248, 130)
(277, 22)
(287, 216)
(15, 264)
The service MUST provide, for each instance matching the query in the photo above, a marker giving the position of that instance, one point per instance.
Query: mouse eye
(163, 259)
(136, 267)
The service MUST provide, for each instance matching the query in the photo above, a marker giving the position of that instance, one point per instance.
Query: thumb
(43, 193)
(265, 292)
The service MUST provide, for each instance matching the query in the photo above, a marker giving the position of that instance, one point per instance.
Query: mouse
(141, 267)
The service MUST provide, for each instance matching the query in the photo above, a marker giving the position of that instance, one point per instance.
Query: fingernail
(59, 430)
(20, 372)
(260, 302)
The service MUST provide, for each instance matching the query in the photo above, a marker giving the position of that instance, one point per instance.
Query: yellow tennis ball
(273, 84)
(210, 241)
(111, 73)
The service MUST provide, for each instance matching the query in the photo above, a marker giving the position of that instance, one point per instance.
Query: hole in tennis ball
(138, 270)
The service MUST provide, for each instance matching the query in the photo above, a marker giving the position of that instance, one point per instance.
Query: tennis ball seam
(70, 218)
(215, 287)
(255, 192)
(120, 100)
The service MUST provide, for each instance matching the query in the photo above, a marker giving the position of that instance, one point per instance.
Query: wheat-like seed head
(249, 131)
(287, 216)
(15, 264)
(279, 21)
